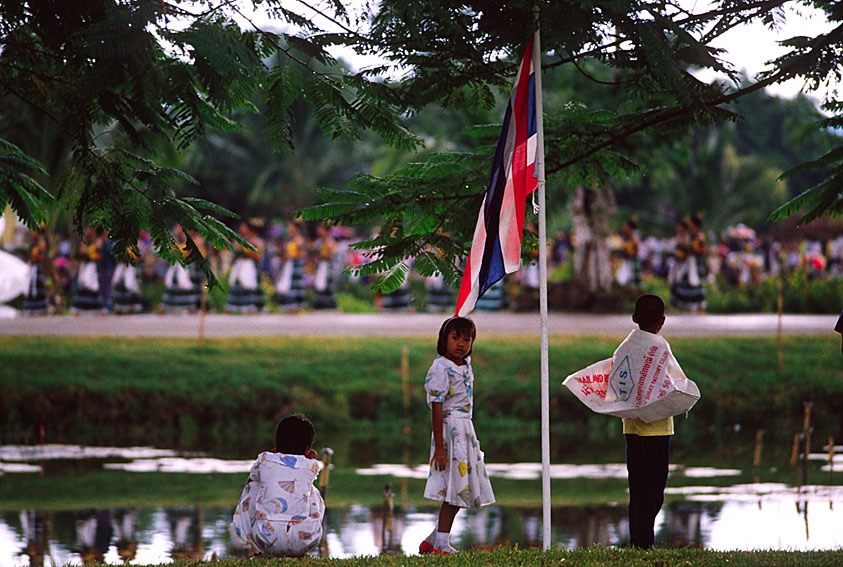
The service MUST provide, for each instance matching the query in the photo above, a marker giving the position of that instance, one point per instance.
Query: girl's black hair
(294, 435)
(463, 327)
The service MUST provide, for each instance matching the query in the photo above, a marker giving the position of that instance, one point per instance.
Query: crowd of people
(296, 266)
(299, 262)
(691, 258)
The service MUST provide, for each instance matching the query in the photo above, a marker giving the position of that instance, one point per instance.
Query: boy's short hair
(649, 309)
(294, 435)
(463, 327)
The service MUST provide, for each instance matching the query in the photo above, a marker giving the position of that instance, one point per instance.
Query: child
(647, 446)
(280, 511)
(457, 472)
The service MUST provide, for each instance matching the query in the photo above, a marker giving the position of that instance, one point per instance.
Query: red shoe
(425, 547)
(443, 551)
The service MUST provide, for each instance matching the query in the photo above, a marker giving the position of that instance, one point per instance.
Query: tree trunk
(590, 214)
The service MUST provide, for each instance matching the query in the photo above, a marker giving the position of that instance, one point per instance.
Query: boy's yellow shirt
(660, 427)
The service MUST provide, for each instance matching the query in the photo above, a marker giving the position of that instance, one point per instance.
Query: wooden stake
(202, 306)
(794, 457)
(387, 526)
(779, 305)
(806, 435)
(405, 390)
(405, 376)
(756, 459)
(325, 477)
(830, 459)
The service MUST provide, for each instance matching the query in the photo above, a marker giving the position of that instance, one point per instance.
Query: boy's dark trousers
(646, 464)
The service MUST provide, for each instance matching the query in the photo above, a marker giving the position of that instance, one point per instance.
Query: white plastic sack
(641, 381)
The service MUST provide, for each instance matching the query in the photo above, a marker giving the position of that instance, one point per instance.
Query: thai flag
(496, 248)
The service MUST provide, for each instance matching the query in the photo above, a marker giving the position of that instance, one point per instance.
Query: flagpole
(545, 386)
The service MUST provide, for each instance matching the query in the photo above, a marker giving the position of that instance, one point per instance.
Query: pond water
(700, 511)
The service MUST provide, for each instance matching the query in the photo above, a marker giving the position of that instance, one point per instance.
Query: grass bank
(594, 557)
(226, 395)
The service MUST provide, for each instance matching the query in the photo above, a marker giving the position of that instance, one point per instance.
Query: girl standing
(458, 475)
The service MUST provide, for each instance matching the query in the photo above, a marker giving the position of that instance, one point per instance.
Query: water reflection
(160, 535)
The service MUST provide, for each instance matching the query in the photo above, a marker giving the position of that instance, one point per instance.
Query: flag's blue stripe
(492, 268)
(531, 123)
(498, 171)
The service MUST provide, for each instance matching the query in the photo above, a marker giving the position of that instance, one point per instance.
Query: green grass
(226, 395)
(594, 557)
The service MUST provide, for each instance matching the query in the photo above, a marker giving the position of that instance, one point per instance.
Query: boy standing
(647, 446)
(280, 511)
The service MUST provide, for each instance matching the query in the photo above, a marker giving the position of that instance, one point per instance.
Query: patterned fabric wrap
(464, 482)
(280, 511)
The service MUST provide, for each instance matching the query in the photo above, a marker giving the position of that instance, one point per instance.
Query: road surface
(405, 324)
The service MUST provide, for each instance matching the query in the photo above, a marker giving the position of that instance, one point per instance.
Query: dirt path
(405, 324)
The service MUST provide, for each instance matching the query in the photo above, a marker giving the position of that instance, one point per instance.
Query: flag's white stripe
(477, 244)
(508, 230)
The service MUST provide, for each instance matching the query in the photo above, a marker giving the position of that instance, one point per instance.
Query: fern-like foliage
(121, 80)
(19, 186)
(426, 209)
(824, 198)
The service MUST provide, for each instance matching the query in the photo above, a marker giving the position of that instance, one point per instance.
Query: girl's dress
(464, 482)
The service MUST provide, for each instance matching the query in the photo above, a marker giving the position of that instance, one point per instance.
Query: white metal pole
(545, 386)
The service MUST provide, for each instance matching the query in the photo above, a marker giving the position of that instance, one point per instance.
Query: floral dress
(464, 482)
(280, 511)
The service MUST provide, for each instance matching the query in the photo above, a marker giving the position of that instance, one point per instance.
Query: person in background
(245, 294)
(180, 295)
(324, 250)
(839, 328)
(289, 287)
(105, 268)
(35, 299)
(687, 290)
(125, 288)
(629, 272)
(87, 298)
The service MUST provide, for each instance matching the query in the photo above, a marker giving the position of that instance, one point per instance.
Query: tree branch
(783, 74)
